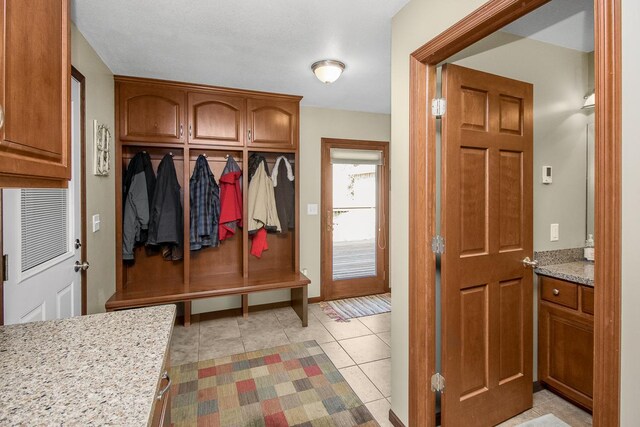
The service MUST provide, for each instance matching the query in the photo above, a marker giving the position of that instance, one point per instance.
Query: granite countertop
(577, 271)
(102, 369)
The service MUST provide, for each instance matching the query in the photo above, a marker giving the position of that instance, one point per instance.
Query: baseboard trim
(395, 421)
(537, 386)
(314, 300)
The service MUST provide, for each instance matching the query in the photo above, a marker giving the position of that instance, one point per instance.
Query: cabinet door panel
(216, 119)
(151, 113)
(273, 123)
(566, 353)
(35, 84)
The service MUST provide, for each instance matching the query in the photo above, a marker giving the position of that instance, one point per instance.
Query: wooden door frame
(327, 144)
(83, 185)
(83, 202)
(484, 21)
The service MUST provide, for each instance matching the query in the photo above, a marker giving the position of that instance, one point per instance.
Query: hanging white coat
(262, 203)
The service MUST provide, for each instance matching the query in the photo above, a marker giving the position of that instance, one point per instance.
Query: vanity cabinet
(565, 345)
(35, 94)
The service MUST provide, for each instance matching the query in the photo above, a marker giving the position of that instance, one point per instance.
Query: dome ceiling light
(327, 70)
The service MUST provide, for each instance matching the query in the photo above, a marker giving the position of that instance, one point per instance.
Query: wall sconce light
(590, 100)
(327, 70)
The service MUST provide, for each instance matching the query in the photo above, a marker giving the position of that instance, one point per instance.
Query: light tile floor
(360, 349)
(545, 402)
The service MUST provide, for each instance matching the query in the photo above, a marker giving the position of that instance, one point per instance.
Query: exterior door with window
(40, 228)
(354, 218)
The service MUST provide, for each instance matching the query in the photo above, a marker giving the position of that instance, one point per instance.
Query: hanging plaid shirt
(205, 206)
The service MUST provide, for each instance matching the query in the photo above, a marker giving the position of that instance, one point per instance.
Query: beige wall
(414, 25)
(630, 386)
(100, 190)
(315, 123)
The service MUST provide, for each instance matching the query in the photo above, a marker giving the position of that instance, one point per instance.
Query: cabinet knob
(556, 292)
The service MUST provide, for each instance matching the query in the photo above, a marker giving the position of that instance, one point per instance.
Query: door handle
(81, 266)
(530, 264)
(1, 117)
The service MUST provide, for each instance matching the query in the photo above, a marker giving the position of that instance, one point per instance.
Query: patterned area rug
(344, 309)
(548, 420)
(291, 385)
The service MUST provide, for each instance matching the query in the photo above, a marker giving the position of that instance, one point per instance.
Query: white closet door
(40, 228)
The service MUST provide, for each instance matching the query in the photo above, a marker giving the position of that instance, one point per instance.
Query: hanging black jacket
(254, 160)
(205, 206)
(284, 190)
(135, 207)
(165, 223)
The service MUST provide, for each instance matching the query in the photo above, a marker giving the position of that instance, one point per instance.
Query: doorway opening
(355, 239)
(43, 235)
(423, 300)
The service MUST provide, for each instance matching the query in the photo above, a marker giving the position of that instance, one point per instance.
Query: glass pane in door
(354, 220)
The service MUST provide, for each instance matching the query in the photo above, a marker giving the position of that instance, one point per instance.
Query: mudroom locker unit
(187, 121)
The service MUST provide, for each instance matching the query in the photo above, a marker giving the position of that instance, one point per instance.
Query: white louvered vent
(45, 224)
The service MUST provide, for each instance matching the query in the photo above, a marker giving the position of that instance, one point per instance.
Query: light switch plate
(555, 232)
(96, 222)
(312, 209)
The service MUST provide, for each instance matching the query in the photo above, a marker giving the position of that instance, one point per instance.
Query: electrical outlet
(555, 232)
(312, 209)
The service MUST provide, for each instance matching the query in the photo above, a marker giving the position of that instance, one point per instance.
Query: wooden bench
(137, 295)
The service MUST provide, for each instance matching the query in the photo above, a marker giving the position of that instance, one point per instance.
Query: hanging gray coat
(284, 192)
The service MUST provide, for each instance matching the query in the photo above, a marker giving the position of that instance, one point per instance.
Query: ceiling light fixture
(590, 100)
(327, 70)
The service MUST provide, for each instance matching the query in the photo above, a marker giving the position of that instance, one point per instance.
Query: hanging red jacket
(230, 200)
(259, 243)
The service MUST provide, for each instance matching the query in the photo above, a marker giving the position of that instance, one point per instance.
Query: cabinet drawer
(559, 292)
(587, 300)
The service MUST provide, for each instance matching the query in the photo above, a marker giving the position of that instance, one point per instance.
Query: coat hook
(206, 156)
(171, 153)
(226, 157)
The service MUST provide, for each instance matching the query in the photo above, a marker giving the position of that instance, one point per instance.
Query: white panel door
(40, 228)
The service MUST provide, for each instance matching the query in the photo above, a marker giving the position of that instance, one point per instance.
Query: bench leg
(245, 305)
(187, 314)
(299, 303)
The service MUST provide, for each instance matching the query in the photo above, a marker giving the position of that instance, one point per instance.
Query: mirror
(590, 179)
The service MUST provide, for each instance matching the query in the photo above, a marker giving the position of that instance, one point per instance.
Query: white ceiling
(566, 23)
(251, 44)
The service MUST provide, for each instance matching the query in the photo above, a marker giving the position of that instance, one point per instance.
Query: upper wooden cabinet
(272, 123)
(157, 111)
(35, 81)
(216, 119)
(152, 113)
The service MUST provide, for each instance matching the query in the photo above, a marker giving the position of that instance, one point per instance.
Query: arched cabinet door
(216, 119)
(272, 123)
(151, 113)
